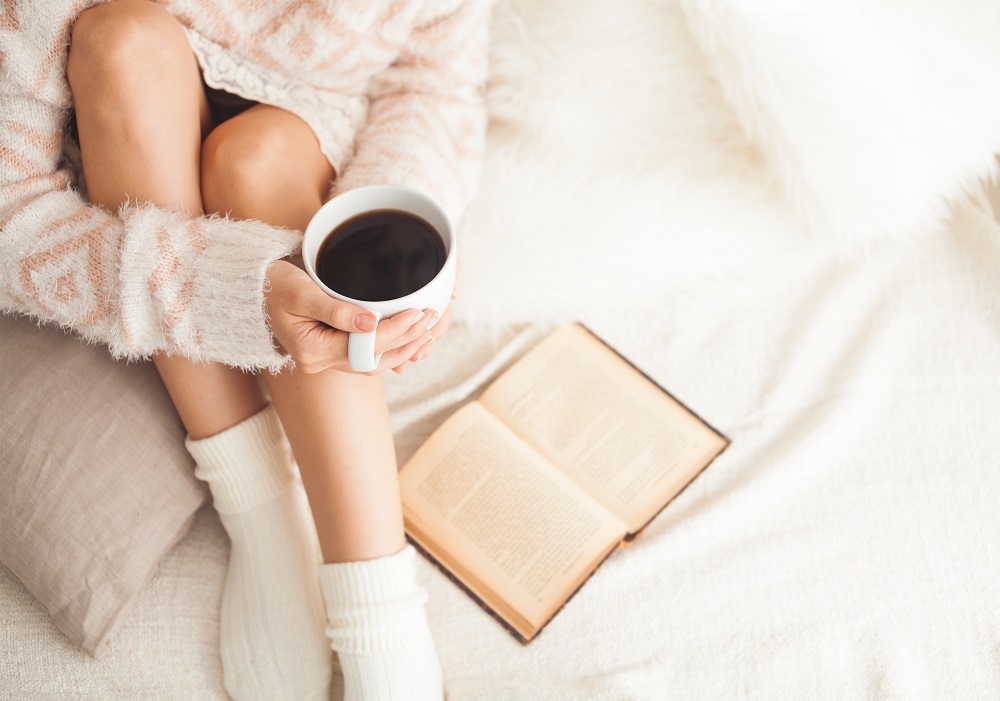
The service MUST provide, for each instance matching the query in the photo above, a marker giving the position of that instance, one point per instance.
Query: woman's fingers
(441, 327)
(427, 346)
(293, 291)
(339, 314)
(439, 330)
(313, 327)
(397, 357)
(327, 349)
(403, 328)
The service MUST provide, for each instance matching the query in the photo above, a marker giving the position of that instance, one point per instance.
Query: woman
(302, 94)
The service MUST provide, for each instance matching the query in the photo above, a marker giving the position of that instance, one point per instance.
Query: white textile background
(843, 547)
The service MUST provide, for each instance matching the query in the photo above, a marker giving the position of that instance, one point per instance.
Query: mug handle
(361, 351)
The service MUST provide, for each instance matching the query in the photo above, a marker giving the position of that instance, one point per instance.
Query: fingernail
(364, 322)
(415, 317)
(435, 317)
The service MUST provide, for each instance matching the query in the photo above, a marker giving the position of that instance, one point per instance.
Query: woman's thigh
(265, 164)
(141, 111)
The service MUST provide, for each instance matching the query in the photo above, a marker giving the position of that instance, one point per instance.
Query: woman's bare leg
(141, 115)
(338, 426)
(140, 108)
(266, 164)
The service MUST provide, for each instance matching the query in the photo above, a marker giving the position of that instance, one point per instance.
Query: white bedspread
(844, 547)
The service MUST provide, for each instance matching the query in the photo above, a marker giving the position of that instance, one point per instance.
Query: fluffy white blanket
(874, 115)
(632, 160)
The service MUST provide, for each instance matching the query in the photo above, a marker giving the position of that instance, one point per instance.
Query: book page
(521, 531)
(616, 433)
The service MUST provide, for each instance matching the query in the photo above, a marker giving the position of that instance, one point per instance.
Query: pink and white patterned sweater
(392, 89)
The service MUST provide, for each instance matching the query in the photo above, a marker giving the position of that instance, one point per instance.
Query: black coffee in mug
(379, 255)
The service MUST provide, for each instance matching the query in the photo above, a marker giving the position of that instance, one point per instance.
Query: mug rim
(310, 266)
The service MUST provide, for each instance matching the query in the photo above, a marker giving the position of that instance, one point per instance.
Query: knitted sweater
(391, 88)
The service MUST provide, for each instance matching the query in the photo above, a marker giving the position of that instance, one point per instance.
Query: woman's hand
(437, 332)
(313, 327)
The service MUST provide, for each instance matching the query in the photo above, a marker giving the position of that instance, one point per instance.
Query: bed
(843, 547)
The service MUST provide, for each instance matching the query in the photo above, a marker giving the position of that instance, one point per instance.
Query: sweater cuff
(233, 319)
(202, 281)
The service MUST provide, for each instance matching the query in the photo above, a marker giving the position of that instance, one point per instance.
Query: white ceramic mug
(435, 295)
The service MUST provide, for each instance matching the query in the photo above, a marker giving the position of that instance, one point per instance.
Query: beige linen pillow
(95, 483)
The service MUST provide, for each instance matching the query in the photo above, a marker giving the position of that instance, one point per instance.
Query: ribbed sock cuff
(375, 605)
(245, 465)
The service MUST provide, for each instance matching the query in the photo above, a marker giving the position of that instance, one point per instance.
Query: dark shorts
(225, 105)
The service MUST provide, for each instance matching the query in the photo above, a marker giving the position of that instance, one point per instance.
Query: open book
(519, 497)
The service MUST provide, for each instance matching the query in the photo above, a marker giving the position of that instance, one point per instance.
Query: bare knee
(115, 45)
(242, 165)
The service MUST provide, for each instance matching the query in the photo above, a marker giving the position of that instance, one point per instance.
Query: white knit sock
(379, 629)
(272, 639)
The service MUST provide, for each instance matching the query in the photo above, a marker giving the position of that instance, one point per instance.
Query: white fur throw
(874, 114)
(616, 176)
(620, 174)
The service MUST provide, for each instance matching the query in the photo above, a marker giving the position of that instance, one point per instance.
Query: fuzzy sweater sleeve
(141, 281)
(427, 120)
